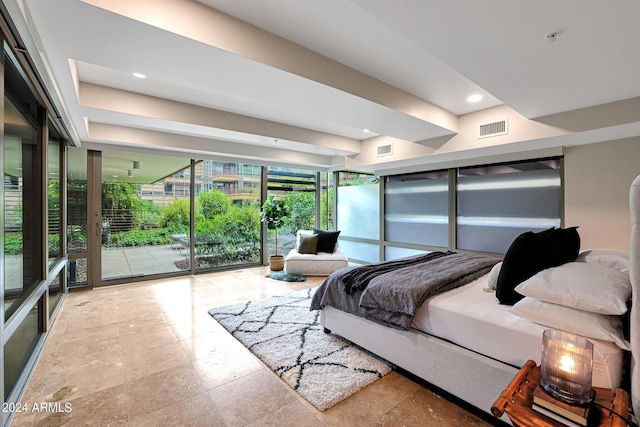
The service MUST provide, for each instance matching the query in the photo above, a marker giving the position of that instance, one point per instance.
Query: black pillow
(528, 254)
(531, 253)
(326, 240)
(565, 242)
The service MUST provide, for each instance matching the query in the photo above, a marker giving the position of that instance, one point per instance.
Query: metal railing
(118, 220)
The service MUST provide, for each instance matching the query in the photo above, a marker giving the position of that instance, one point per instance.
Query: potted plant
(106, 231)
(274, 212)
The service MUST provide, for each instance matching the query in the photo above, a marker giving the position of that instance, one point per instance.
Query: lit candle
(566, 366)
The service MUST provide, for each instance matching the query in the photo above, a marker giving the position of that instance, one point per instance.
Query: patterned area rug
(286, 336)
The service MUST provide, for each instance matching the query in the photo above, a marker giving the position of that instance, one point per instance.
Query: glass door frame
(94, 218)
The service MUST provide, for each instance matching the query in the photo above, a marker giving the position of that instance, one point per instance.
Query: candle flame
(566, 363)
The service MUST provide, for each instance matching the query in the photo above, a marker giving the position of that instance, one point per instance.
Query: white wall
(597, 181)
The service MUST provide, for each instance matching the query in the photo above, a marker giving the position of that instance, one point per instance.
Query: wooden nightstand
(516, 400)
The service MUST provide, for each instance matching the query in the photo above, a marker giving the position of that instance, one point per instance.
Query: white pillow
(493, 276)
(611, 258)
(580, 285)
(583, 323)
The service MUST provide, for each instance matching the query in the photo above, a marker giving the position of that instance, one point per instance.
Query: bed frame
(468, 375)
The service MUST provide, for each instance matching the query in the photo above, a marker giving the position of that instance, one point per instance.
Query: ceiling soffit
(245, 40)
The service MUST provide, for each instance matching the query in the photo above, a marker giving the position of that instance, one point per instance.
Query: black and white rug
(286, 336)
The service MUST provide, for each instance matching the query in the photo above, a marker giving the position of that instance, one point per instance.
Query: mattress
(472, 318)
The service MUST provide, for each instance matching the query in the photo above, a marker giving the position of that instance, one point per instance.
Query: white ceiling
(219, 87)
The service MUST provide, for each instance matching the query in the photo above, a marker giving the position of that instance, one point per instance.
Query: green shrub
(140, 238)
(239, 226)
(303, 210)
(149, 216)
(54, 244)
(12, 243)
(175, 217)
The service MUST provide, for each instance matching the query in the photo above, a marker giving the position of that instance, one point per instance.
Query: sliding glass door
(227, 214)
(145, 207)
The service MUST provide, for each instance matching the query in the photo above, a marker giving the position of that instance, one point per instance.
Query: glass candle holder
(566, 367)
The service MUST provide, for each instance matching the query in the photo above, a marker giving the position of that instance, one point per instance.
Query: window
(22, 190)
(19, 347)
(359, 215)
(497, 203)
(417, 209)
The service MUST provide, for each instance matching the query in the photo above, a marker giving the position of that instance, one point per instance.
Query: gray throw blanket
(359, 278)
(394, 298)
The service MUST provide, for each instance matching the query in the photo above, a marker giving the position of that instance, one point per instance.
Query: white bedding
(472, 318)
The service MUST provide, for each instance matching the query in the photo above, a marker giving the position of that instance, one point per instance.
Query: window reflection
(54, 200)
(18, 348)
(77, 216)
(55, 292)
(22, 205)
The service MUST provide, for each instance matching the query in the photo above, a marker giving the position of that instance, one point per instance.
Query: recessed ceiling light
(474, 98)
(139, 75)
(366, 130)
(553, 36)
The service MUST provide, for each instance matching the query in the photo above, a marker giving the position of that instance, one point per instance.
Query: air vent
(385, 150)
(488, 130)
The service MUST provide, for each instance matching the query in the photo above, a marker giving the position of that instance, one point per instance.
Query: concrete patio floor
(140, 261)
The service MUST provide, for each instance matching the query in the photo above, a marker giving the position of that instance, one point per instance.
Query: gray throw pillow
(308, 244)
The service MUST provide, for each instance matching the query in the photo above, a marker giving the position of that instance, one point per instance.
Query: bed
(465, 342)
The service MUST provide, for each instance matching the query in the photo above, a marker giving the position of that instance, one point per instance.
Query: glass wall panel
(326, 202)
(360, 252)
(359, 206)
(391, 252)
(417, 209)
(227, 217)
(54, 195)
(18, 348)
(55, 291)
(77, 216)
(297, 187)
(22, 191)
(77, 274)
(145, 214)
(497, 203)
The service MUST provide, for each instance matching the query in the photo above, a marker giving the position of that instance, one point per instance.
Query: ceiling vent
(488, 130)
(385, 150)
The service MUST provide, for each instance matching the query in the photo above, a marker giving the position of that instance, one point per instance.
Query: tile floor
(148, 354)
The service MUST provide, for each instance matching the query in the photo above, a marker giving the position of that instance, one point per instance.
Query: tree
(120, 195)
(303, 211)
(326, 209)
(212, 203)
(119, 201)
(273, 214)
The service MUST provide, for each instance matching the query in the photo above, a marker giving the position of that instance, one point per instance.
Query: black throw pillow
(566, 244)
(531, 253)
(326, 240)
